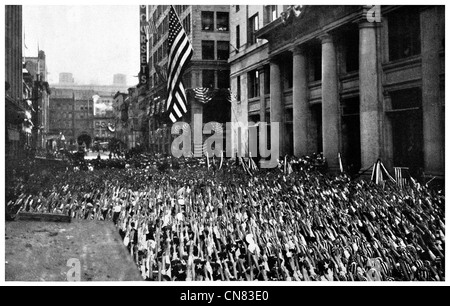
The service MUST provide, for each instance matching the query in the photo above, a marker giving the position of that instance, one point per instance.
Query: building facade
(121, 123)
(364, 82)
(17, 110)
(71, 115)
(37, 82)
(208, 29)
(103, 117)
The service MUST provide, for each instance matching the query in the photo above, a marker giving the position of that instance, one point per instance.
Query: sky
(93, 42)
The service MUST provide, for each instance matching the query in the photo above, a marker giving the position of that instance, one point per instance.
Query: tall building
(17, 111)
(61, 120)
(249, 69)
(37, 69)
(66, 78)
(363, 81)
(120, 79)
(208, 29)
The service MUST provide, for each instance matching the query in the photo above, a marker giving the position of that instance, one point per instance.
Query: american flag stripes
(203, 95)
(180, 52)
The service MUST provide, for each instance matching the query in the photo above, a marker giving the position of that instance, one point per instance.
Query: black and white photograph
(224, 144)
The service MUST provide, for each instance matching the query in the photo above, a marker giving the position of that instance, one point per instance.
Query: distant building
(103, 117)
(66, 78)
(121, 123)
(72, 110)
(37, 70)
(120, 80)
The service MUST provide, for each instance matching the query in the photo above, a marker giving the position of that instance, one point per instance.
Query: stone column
(262, 98)
(197, 128)
(262, 104)
(196, 117)
(433, 132)
(369, 94)
(276, 103)
(300, 105)
(330, 103)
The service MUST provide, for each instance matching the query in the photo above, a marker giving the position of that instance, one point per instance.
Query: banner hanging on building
(143, 73)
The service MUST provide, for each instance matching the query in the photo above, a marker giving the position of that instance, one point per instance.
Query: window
(253, 84)
(317, 62)
(223, 79)
(222, 21)
(237, 8)
(352, 50)
(208, 78)
(253, 26)
(187, 24)
(407, 129)
(208, 49)
(266, 79)
(404, 33)
(274, 12)
(223, 50)
(178, 9)
(238, 88)
(270, 13)
(207, 21)
(238, 38)
(288, 72)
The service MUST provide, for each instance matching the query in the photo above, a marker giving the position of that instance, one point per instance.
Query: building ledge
(402, 63)
(349, 76)
(265, 31)
(234, 56)
(313, 84)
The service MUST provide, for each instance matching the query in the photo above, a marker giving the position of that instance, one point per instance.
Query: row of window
(252, 27)
(208, 50)
(253, 83)
(164, 28)
(209, 79)
(180, 8)
(101, 124)
(222, 21)
(162, 8)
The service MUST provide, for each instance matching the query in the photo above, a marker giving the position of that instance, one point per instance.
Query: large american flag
(180, 52)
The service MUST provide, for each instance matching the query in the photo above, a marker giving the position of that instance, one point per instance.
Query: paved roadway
(41, 251)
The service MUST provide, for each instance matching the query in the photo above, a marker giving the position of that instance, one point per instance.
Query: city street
(244, 143)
